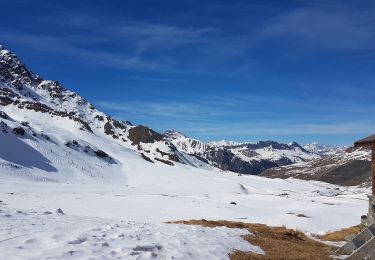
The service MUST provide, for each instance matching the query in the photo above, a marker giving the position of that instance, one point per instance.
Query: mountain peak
(174, 134)
(324, 149)
(14, 71)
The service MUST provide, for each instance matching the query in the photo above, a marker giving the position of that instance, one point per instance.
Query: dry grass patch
(277, 242)
(343, 234)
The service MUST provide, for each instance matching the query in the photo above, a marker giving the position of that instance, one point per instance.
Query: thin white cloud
(69, 46)
(250, 115)
(323, 29)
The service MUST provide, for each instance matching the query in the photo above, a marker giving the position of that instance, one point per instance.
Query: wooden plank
(373, 168)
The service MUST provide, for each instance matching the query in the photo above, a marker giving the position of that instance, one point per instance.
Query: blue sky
(238, 70)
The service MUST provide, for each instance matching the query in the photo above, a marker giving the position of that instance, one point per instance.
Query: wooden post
(373, 169)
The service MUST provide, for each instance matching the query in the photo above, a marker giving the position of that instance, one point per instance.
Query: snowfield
(106, 221)
(36, 235)
(169, 195)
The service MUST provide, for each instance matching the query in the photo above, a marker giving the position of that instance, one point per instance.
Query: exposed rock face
(143, 134)
(18, 131)
(354, 172)
(14, 71)
(146, 158)
(351, 167)
(108, 129)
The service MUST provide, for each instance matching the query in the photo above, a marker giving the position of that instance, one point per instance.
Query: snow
(222, 143)
(186, 144)
(272, 154)
(325, 149)
(47, 235)
(158, 196)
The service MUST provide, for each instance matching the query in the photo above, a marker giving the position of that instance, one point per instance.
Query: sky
(287, 70)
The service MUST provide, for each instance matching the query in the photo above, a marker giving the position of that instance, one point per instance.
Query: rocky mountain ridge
(349, 167)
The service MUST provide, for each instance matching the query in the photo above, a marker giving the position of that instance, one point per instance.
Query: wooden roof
(369, 140)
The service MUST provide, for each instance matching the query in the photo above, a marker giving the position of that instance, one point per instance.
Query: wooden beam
(373, 169)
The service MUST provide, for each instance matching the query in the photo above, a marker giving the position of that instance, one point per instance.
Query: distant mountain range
(325, 149)
(349, 167)
(44, 128)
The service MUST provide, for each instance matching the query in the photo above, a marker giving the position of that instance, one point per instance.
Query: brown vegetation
(277, 242)
(343, 234)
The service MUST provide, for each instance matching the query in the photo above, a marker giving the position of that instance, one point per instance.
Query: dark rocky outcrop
(18, 131)
(4, 115)
(171, 157)
(100, 118)
(164, 161)
(143, 134)
(108, 130)
(146, 158)
(72, 143)
(118, 124)
(101, 154)
(352, 173)
(342, 169)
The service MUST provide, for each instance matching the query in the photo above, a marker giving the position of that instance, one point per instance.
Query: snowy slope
(349, 167)
(47, 235)
(27, 102)
(157, 195)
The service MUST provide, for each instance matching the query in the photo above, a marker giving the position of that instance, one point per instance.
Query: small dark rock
(4, 115)
(146, 158)
(60, 211)
(100, 118)
(108, 129)
(18, 131)
(164, 161)
(101, 154)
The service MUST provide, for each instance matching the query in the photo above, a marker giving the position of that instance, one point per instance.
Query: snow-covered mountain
(349, 167)
(48, 128)
(325, 149)
(223, 143)
(63, 132)
(246, 158)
